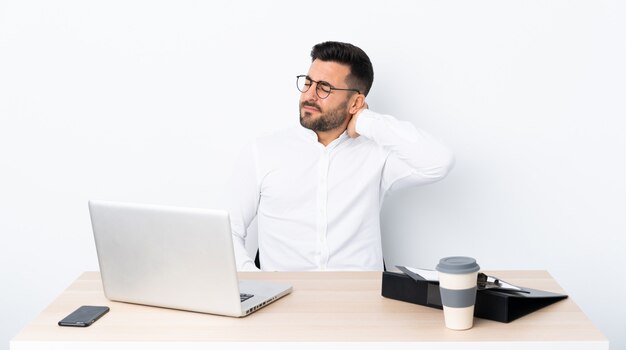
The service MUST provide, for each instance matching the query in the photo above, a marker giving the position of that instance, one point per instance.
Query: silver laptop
(179, 258)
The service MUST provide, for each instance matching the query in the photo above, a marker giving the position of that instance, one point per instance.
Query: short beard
(326, 121)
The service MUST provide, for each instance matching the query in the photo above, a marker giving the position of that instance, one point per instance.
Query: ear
(358, 102)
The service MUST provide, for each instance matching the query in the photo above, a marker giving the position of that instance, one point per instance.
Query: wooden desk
(340, 309)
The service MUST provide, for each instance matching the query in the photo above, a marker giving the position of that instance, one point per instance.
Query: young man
(317, 190)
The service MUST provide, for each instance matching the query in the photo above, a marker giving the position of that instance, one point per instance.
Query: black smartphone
(84, 316)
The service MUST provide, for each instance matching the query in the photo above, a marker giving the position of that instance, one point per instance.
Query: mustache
(311, 104)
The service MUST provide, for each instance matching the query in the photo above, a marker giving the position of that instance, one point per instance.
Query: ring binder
(493, 305)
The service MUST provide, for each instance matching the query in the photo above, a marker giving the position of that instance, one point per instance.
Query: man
(317, 190)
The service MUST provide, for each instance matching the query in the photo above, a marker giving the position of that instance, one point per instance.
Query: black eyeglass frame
(320, 83)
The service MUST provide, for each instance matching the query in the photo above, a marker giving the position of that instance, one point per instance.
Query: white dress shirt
(318, 207)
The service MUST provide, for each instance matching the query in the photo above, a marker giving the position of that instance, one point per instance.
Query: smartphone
(84, 316)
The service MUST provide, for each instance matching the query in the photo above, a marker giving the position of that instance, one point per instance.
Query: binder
(490, 304)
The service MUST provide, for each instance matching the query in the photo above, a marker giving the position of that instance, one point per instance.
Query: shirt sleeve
(244, 200)
(414, 156)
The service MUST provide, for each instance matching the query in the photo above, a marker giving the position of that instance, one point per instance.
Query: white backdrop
(149, 101)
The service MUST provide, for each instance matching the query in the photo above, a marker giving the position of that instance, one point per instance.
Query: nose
(311, 93)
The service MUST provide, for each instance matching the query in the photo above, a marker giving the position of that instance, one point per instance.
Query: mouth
(310, 107)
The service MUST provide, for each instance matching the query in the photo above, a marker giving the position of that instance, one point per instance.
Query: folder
(490, 304)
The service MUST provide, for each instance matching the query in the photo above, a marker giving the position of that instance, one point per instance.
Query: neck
(326, 137)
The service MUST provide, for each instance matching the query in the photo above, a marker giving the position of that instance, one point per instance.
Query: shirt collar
(308, 133)
(312, 136)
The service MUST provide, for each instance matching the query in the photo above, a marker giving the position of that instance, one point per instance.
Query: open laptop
(179, 258)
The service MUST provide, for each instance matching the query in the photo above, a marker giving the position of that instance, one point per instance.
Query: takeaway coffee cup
(457, 284)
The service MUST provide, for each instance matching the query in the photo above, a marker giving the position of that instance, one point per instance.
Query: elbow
(440, 166)
(447, 164)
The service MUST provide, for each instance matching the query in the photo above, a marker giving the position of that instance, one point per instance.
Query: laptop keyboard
(245, 296)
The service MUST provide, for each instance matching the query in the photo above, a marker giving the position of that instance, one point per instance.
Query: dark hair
(361, 71)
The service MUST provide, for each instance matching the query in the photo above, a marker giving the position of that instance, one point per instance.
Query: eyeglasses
(323, 88)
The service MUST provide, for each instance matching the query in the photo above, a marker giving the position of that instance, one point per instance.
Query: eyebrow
(321, 81)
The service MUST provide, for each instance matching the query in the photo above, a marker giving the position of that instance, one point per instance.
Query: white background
(149, 101)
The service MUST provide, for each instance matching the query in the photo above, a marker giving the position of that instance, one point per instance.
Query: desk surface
(335, 307)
